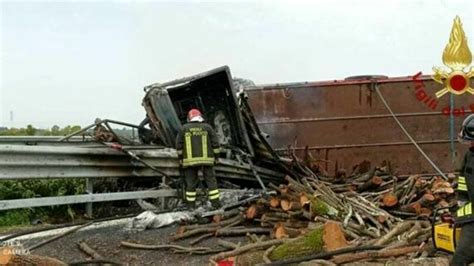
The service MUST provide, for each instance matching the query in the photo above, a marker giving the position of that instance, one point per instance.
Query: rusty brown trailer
(344, 122)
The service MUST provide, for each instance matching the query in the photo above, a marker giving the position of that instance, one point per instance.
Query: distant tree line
(30, 130)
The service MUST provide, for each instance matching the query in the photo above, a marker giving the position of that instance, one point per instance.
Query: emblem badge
(457, 57)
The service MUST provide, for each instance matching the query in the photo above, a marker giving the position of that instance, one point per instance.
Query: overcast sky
(70, 62)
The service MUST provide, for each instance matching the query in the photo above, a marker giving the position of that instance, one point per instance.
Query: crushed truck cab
(223, 106)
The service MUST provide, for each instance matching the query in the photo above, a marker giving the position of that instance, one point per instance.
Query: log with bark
(317, 240)
(374, 254)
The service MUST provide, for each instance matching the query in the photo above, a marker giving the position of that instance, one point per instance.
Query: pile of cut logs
(404, 196)
(369, 215)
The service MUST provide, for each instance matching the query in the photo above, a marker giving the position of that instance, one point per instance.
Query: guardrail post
(89, 190)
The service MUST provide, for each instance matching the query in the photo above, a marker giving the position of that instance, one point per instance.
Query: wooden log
(251, 212)
(56, 237)
(398, 229)
(242, 231)
(389, 200)
(263, 202)
(281, 231)
(290, 205)
(8, 257)
(224, 222)
(382, 219)
(247, 258)
(201, 238)
(206, 228)
(427, 200)
(374, 254)
(372, 183)
(320, 208)
(275, 215)
(313, 242)
(266, 253)
(274, 202)
(296, 223)
(365, 176)
(333, 237)
(200, 252)
(414, 207)
(156, 247)
(442, 203)
(425, 212)
(255, 211)
(89, 251)
(194, 232)
(304, 199)
(226, 215)
(249, 247)
(285, 204)
(269, 224)
(322, 256)
(295, 185)
(253, 237)
(352, 225)
(227, 244)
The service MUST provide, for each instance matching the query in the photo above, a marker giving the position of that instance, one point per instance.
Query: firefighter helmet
(467, 130)
(193, 113)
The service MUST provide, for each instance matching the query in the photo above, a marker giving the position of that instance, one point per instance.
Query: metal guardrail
(86, 198)
(47, 140)
(29, 162)
(20, 162)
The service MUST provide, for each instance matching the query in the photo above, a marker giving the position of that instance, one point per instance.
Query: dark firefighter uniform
(464, 253)
(198, 144)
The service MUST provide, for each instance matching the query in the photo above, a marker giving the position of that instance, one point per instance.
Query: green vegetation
(30, 130)
(39, 188)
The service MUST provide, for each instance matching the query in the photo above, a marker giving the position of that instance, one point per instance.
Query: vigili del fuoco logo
(457, 57)
(457, 74)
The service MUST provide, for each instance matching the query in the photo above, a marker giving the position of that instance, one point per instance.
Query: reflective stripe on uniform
(191, 195)
(465, 210)
(204, 145)
(461, 180)
(213, 197)
(462, 187)
(213, 194)
(189, 149)
(216, 151)
(198, 161)
(468, 209)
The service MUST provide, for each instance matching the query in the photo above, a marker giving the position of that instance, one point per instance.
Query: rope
(408, 134)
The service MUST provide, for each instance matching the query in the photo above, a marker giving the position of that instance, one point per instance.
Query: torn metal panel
(226, 109)
(212, 92)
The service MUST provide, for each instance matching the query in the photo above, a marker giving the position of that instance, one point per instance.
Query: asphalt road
(106, 241)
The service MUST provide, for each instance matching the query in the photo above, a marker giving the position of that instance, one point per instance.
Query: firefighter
(464, 253)
(197, 146)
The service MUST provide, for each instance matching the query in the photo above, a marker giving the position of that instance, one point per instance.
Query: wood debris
(367, 215)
